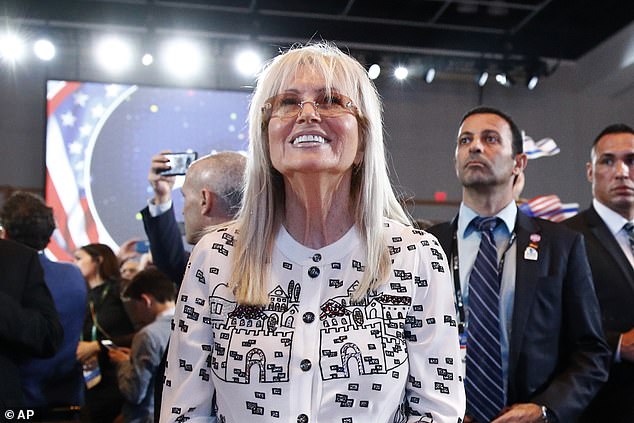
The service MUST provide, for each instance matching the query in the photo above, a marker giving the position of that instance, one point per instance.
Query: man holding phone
(212, 192)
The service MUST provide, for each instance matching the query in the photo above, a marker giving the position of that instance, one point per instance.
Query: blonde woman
(319, 303)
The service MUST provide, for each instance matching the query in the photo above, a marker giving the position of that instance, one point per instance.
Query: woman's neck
(95, 281)
(318, 209)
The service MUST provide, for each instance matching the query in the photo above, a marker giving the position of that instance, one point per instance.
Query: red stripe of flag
(53, 103)
(91, 228)
(61, 218)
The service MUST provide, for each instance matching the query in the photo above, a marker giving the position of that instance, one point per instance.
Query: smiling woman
(324, 304)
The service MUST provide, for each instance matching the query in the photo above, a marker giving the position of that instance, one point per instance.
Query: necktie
(629, 228)
(484, 379)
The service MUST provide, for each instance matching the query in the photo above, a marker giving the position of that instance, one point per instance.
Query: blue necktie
(484, 382)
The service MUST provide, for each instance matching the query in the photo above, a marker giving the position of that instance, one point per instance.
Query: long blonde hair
(263, 203)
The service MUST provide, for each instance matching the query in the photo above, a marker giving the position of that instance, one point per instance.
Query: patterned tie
(484, 380)
(629, 228)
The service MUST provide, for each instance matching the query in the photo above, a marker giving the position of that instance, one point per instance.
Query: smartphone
(179, 162)
(142, 247)
(108, 344)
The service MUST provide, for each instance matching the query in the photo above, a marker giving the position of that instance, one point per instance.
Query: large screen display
(100, 139)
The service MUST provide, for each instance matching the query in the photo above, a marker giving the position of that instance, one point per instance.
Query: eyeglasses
(289, 105)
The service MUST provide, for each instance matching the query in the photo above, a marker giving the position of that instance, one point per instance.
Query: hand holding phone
(142, 247)
(108, 344)
(178, 163)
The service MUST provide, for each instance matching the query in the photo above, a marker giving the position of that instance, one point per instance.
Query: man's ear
(147, 300)
(207, 199)
(521, 160)
(589, 171)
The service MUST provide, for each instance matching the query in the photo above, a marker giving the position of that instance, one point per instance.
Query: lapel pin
(530, 253)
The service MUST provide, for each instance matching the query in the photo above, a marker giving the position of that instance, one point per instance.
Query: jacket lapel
(605, 237)
(526, 273)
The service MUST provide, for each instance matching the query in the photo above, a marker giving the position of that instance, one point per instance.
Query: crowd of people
(311, 296)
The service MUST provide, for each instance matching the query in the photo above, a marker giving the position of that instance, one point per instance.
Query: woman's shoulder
(395, 230)
(224, 233)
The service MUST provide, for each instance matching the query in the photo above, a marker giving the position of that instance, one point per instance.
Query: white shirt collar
(508, 215)
(612, 219)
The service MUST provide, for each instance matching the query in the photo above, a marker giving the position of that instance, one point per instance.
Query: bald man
(212, 192)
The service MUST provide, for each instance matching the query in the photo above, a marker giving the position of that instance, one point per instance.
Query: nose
(622, 169)
(475, 146)
(308, 114)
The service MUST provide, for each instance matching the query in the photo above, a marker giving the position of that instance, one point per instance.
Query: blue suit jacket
(614, 282)
(166, 244)
(557, 354)
(58, 381)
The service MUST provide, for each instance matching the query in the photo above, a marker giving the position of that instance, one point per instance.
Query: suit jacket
(166, 244)
(557, 354)
(29, 324)
(58, 381)
(614, 283)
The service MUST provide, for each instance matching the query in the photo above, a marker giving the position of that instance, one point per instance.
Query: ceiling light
(501, 79)
(430, 75)
(248, 63)
(182, 58)
(532, 82)
(400, 73)
(114, 54)
(374, 71)
(147, 59)
(44, 49)
(483, 78)
(11, 48)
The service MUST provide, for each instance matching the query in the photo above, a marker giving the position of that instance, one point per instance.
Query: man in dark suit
(212, 192)
(533, 341)
(606, 228)
(29, 324)
(55, 383)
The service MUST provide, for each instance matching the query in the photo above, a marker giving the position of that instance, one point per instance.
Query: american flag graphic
(549, 207)
(99, 143)
(75, 113)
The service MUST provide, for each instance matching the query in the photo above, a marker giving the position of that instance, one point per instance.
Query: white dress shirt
(468, 245)
(615, 223)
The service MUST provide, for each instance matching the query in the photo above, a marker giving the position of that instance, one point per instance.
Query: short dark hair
(615, 128)
(151, 282)
(28, 220)
(517, 142)
(109, 266)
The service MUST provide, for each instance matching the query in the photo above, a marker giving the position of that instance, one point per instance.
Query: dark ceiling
(559, 29)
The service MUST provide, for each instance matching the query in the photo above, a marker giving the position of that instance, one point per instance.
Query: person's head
(149, 293)
(314, 110)
(351, 138)
(212, 192)
(489, 153)
(97, 262)
(129, 268)
(26, 219)
(611, 169)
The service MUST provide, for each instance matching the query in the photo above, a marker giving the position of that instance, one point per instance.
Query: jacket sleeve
(166, 245)
(29, 322)
(585, 353)
(435, 384)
